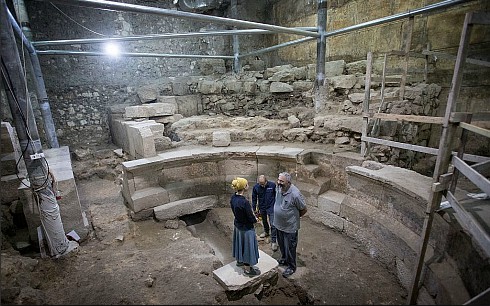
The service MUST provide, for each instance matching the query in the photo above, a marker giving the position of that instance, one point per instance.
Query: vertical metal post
(321, 46)
(408, 43)
(236, 43)
(365, 103)
(49, 127)
(39, 178)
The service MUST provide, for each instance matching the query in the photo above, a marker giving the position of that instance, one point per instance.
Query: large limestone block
(237, 284)
(179, 208)
(72, 216)
(221, 138)
(278, 87)
(148, 198)
(334, 68)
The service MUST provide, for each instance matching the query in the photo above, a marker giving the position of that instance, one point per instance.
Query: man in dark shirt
(263, 199)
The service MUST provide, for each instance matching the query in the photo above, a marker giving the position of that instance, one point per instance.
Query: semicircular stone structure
(380, 206)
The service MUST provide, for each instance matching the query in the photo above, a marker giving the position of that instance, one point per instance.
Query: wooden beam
(476, 178)
(411, 118)
(453, 57)
(401, 145)
(475, 129)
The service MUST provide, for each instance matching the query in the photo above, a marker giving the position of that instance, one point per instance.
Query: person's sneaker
(288, 272)
(274, 247)
(239, 263)
(263, 235)
(252, 272)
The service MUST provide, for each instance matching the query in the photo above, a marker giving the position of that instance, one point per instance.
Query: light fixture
(112, 49)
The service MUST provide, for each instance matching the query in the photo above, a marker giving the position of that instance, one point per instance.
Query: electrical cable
(75, 20)
(8, 82)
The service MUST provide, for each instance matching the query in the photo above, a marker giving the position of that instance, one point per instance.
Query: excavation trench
(208, 230)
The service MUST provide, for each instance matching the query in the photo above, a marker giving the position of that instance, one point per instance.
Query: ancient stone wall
(82, 88)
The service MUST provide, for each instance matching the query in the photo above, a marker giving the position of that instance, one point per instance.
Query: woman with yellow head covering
(245, 245)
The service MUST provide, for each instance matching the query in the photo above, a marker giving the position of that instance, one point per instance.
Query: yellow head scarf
(239, 183)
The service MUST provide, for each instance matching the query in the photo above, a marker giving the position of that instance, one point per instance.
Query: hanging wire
(8, 82)
(92, 31)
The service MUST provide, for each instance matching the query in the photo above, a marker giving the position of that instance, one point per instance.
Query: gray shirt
(286, 209)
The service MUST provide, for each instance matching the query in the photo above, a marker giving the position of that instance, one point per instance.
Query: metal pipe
(20, 9)
(49, 127)
(131, 54)
(410, 13)
(155, 36)
(286, 44)
(118, 6)
(321, 43)
(236, 43)
(39, 178)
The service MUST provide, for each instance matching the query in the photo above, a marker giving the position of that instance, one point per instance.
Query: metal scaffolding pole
(131, 54)
(40, 180)
(49, 127)
(82, 41)
(118, 6)
(236, 42)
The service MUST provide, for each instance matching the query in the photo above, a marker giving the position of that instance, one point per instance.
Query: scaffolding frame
(444, 181)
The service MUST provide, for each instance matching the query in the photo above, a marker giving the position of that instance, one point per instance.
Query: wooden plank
(456, 117)
(403, 53)
(401, 145)
(475, 129)
(411, 118)
(476, 178)
(365, 103)
(468, 60)
(470, 224)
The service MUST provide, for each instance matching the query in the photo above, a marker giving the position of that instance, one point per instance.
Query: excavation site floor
(143, 262)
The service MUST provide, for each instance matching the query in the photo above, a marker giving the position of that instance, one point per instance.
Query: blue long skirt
(245, 246)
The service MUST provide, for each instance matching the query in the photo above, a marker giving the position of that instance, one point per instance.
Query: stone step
(312, 189)
(148, 198)
(183, 207)
(237, 284)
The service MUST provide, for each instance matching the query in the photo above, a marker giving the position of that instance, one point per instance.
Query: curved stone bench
(380, 206)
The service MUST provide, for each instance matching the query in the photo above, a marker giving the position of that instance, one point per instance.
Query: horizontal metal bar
(154, 36)
(272, 48)
(87, 53)
(118, 6)
(410, 13)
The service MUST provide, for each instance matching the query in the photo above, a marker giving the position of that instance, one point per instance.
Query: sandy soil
(143, 262)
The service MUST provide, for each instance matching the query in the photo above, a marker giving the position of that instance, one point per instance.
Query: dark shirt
(266, 196)
(244, 216)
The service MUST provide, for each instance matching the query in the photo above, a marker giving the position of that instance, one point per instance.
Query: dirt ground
(126, 262)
